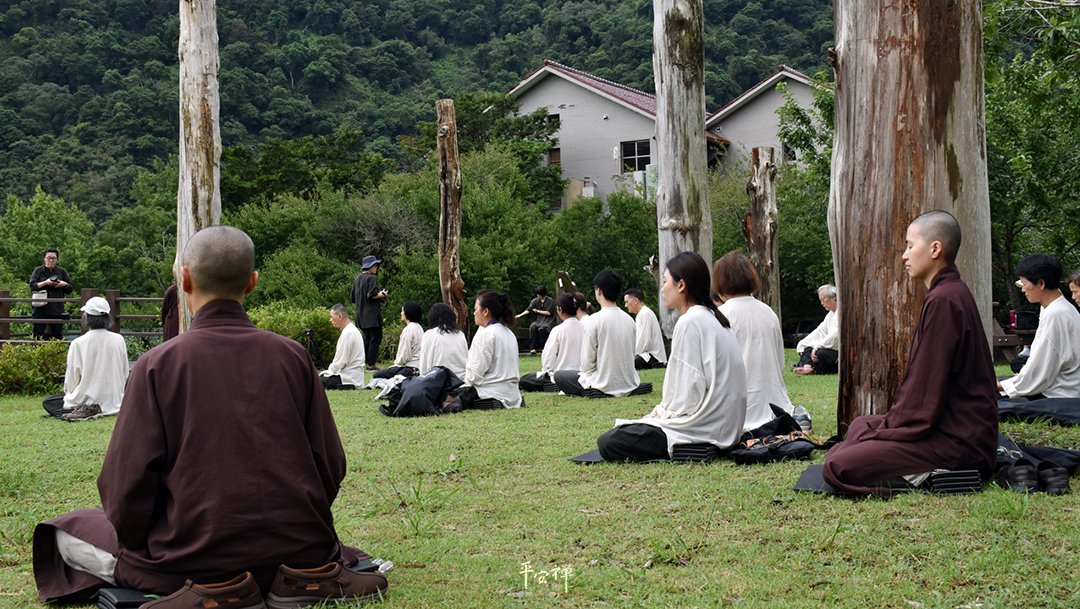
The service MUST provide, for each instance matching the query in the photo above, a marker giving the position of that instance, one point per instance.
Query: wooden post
(5, 312)
(113, 296)
(198, 198)
(760, 226)
(450, 282)
(910, 137)
(86, 294)
(684, 220)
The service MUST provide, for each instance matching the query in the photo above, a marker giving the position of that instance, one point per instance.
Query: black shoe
(1020, 476)
(1053, 478)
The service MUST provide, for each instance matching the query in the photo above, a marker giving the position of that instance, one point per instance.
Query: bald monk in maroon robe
(226, 458)
(945, 414)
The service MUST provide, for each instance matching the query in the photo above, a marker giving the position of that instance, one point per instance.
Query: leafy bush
(291, 322)
(32, 368)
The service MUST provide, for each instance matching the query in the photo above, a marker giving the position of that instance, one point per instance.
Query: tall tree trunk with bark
(684, 220)
(910, 138)
(198, 198)
(760, 226)
(453, 287)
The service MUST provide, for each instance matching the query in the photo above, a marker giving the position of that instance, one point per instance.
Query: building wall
(586, 137)
(756, 124)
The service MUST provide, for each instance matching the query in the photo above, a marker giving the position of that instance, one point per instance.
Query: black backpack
(776, 440)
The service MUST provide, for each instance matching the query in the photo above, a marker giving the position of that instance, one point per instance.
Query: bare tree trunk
(684, 220)
(910, 137)
(198, 198)
(761, 225)
(453, 287)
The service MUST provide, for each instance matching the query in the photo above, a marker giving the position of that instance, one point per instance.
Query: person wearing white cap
(97, 369)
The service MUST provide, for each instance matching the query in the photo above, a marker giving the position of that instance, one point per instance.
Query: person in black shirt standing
(369, 299)
(56, 282)
(543, 319)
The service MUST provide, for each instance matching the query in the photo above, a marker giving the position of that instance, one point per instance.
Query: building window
(635, 155)
(789, 153)
(555, 156)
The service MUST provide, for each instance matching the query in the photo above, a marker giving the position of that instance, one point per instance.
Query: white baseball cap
(96, 306)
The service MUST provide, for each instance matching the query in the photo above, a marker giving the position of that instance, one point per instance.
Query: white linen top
(493, 365)
(408, 346)
(757, 329)
(1053, 369)
(97, 371)
(348, 357)
(825, 336)
(607, 353)
(563, 348)
(451, 351)
(647, 337)
(704, 398)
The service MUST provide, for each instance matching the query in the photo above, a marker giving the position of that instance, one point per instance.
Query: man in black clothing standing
(543, 319)
(56, 282)
(369, 299)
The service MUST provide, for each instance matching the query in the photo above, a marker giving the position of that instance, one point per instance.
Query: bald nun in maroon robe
(945, 414)
(225, 458)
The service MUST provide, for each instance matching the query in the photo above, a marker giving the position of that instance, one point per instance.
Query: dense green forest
(88, 90)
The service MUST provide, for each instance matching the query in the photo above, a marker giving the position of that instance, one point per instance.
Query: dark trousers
(531, 382)
(392, 371)
(827, 360)
(54, 405)
(47, 330)
(640, 363)
(334, 382)
(568, 382)
(634, 442)
(538, 336)
(372, 342)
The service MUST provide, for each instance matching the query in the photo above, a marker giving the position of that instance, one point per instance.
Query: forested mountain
(88, 89)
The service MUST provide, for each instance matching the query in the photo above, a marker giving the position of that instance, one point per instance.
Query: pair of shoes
(239, 593)
(802, 417)
(329, 584)
(1053, 478)
(1020, 476)
(83, 412)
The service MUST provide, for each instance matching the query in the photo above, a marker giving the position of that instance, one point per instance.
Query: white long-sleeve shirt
(451, 351)
(647, 337)
(704, 398)
(607, 353)
(348, 357)
(563, 348)
(825, 336)
(493, 365)
(1053, 369)
(408, 347)
(97, 371)
(761, 342)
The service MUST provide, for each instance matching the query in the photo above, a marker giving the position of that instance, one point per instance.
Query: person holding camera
(369, 299)
(543, 319)
(56, 282)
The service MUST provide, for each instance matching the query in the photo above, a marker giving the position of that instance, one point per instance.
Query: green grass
(459, 503)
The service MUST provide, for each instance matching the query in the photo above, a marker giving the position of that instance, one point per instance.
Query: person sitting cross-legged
(407, 362)
(222, 468)
(563, 350)
(607, 348)
(443, 344)
(819, 350)
(648, 340)
(347, 369)
(704, 397)
(945, 415)
(1053, 369)
(492, 372)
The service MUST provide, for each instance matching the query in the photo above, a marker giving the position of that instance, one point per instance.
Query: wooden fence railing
(115, 303)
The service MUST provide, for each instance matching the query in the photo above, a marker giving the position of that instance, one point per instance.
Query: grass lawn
(460, 503)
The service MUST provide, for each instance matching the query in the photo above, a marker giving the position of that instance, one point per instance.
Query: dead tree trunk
(684, 220)
(761, 225)
(910, 137)
(453, 287)
(198, 198)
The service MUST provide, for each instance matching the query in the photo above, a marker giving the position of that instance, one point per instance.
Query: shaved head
(221, 260)
(940, 226)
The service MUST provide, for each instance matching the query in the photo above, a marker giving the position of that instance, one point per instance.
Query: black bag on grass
(421, 396)
(779, 439)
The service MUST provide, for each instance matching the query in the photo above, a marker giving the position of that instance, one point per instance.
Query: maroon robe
(945, 414)
(225, 458)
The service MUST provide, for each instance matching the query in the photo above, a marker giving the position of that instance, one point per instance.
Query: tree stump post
(910, 138)
(450, 282)
(684, 220)
(198, 197)
(760, 226)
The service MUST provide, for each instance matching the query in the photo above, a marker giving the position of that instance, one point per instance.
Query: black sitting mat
(550, 387)
(120, 598)
(960, 482)
(1063, 411)
(682, 453)
(596, 394)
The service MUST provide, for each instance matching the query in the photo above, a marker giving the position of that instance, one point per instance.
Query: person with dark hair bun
(585, 308)
(704, 397)
(492, 372)
(563, 350)
(1053, 369)
(407, 362)
(443, 344)
(543, 319)
(607, 348)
